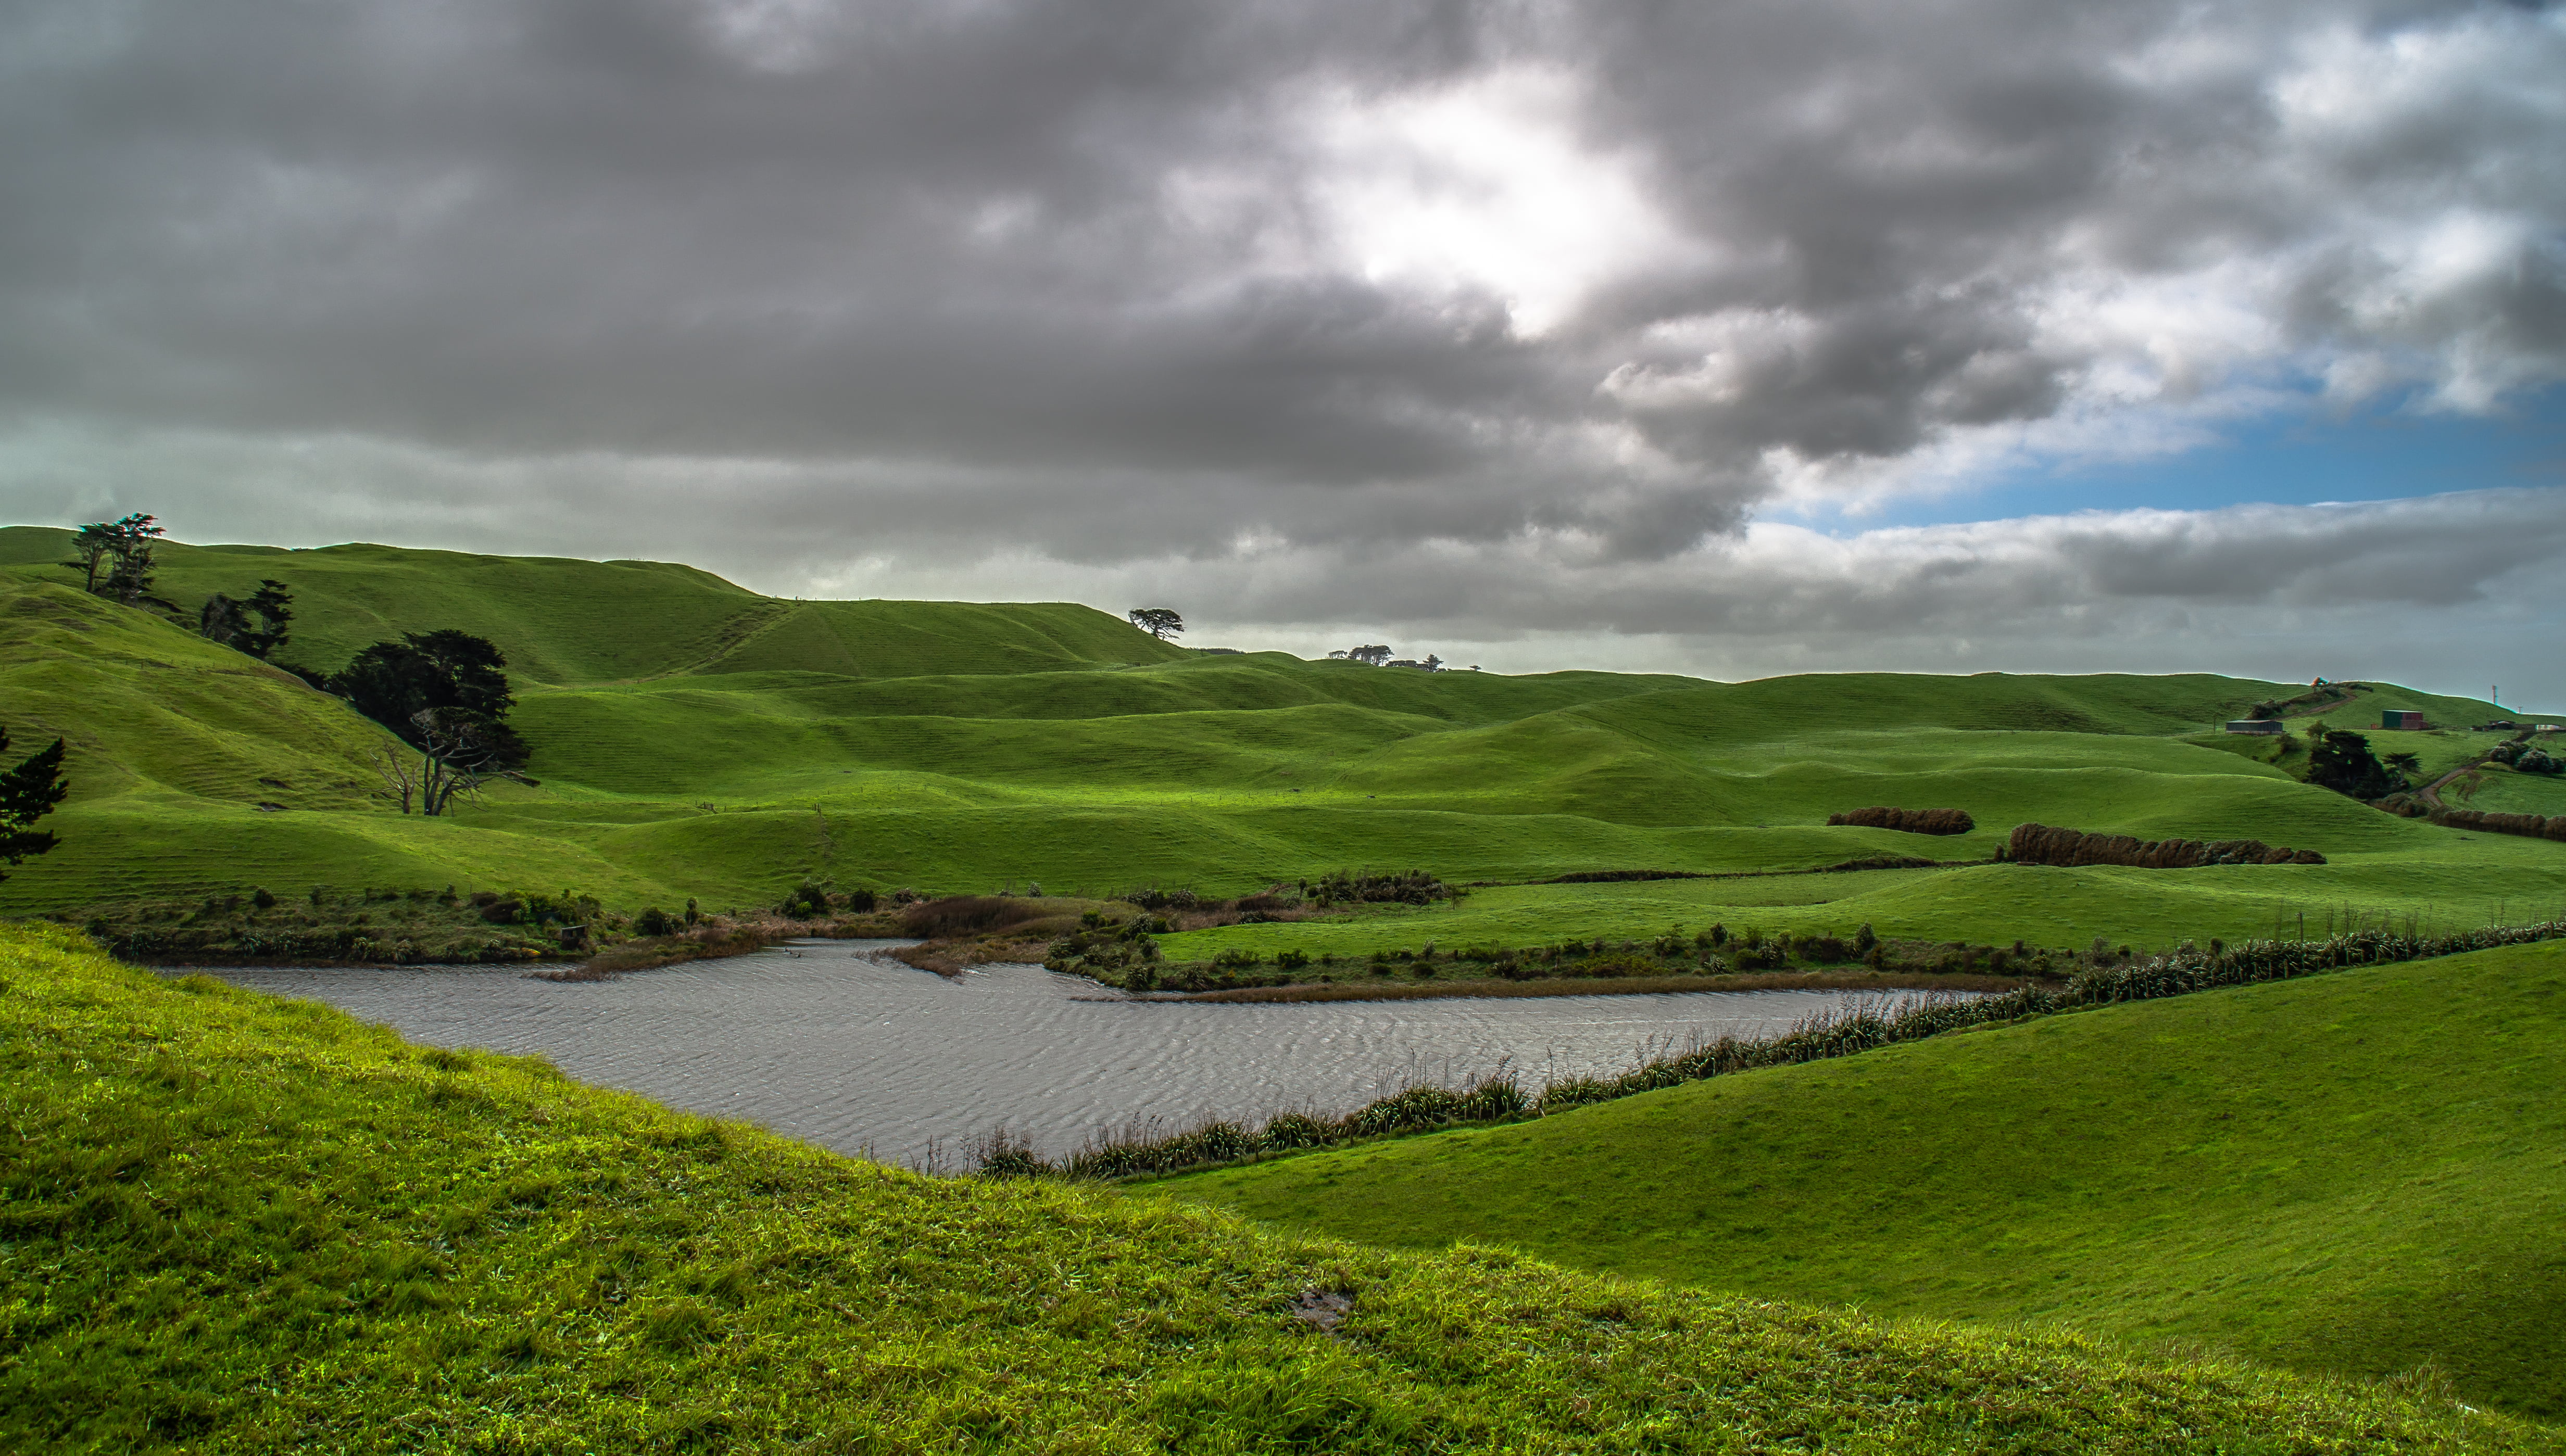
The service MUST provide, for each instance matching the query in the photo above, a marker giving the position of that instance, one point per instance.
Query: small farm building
(2257, 725)
(2406, 719)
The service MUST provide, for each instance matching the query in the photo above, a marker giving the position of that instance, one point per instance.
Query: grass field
(232, 1223)
(694, 739)
(2360, 1172)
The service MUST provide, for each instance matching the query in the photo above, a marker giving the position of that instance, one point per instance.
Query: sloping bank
(1498, 1099)
(230, 1223)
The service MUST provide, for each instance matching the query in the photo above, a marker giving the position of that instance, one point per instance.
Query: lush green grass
(229, 1223)
(2360, 1172)
(695, 739)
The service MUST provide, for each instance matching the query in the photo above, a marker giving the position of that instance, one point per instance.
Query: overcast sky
(1727, 338)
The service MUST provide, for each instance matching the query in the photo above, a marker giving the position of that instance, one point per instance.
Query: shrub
(1413, 888)
(1235, 957)
(651, 921)
(1291, 960)
(806, 903)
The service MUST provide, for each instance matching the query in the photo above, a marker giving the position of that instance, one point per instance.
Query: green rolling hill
(2360, 1172)
(693, 738)
(230, 1223)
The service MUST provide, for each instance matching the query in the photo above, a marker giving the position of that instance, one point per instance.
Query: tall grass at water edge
(1138, 1151)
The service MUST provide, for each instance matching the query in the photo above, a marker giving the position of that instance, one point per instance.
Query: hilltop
(694, 739)
(2358, 1172)
(233, 1223)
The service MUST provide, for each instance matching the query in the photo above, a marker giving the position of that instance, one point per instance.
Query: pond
(835, 1044)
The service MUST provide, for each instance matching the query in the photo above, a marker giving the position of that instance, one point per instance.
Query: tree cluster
(113, 558)
(2521, 758)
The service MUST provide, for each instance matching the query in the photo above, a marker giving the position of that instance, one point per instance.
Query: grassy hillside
(563, 621)
(229, 1223)
(194, 766)
(2360, 1172)
(696, 739)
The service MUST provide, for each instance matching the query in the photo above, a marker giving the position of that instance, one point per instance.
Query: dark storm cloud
(1553, 293)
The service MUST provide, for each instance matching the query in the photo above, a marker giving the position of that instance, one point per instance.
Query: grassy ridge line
(2358, 1172)
(565, 621)
(234, 1223)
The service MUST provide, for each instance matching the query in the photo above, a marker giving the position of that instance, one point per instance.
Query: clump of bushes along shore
(1717, 951)
(1909, 821)
(341, 927)
(1136, 1152)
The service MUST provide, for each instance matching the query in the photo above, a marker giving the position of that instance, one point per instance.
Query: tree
(123, 546)
(227, 621)
(91, 545)
(400, 776)
(391, 682)
(222, 620)
(2343, 762)
(2405, 762)
(461, 751)
(1376, 655)
(1159, 621)
(444, 693)
(275, 607)
(28, 792)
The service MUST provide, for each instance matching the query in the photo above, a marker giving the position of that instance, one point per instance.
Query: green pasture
(234, 1223)
(694, 739)
(2360, 1172)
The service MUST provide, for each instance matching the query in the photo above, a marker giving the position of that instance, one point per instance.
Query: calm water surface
(830, 1042)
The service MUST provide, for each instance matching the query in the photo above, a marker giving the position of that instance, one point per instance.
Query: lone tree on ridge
(1159, 621)
(124, 548)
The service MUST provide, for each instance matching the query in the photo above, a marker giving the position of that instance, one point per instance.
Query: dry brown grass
(954, 957)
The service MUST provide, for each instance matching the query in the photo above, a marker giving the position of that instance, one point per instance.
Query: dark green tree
(2342, 760)
(274, 605)
(445, 694)
(1161, 623)
(394, 683)
(222, 620)
(227, 621)
(28, 792)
